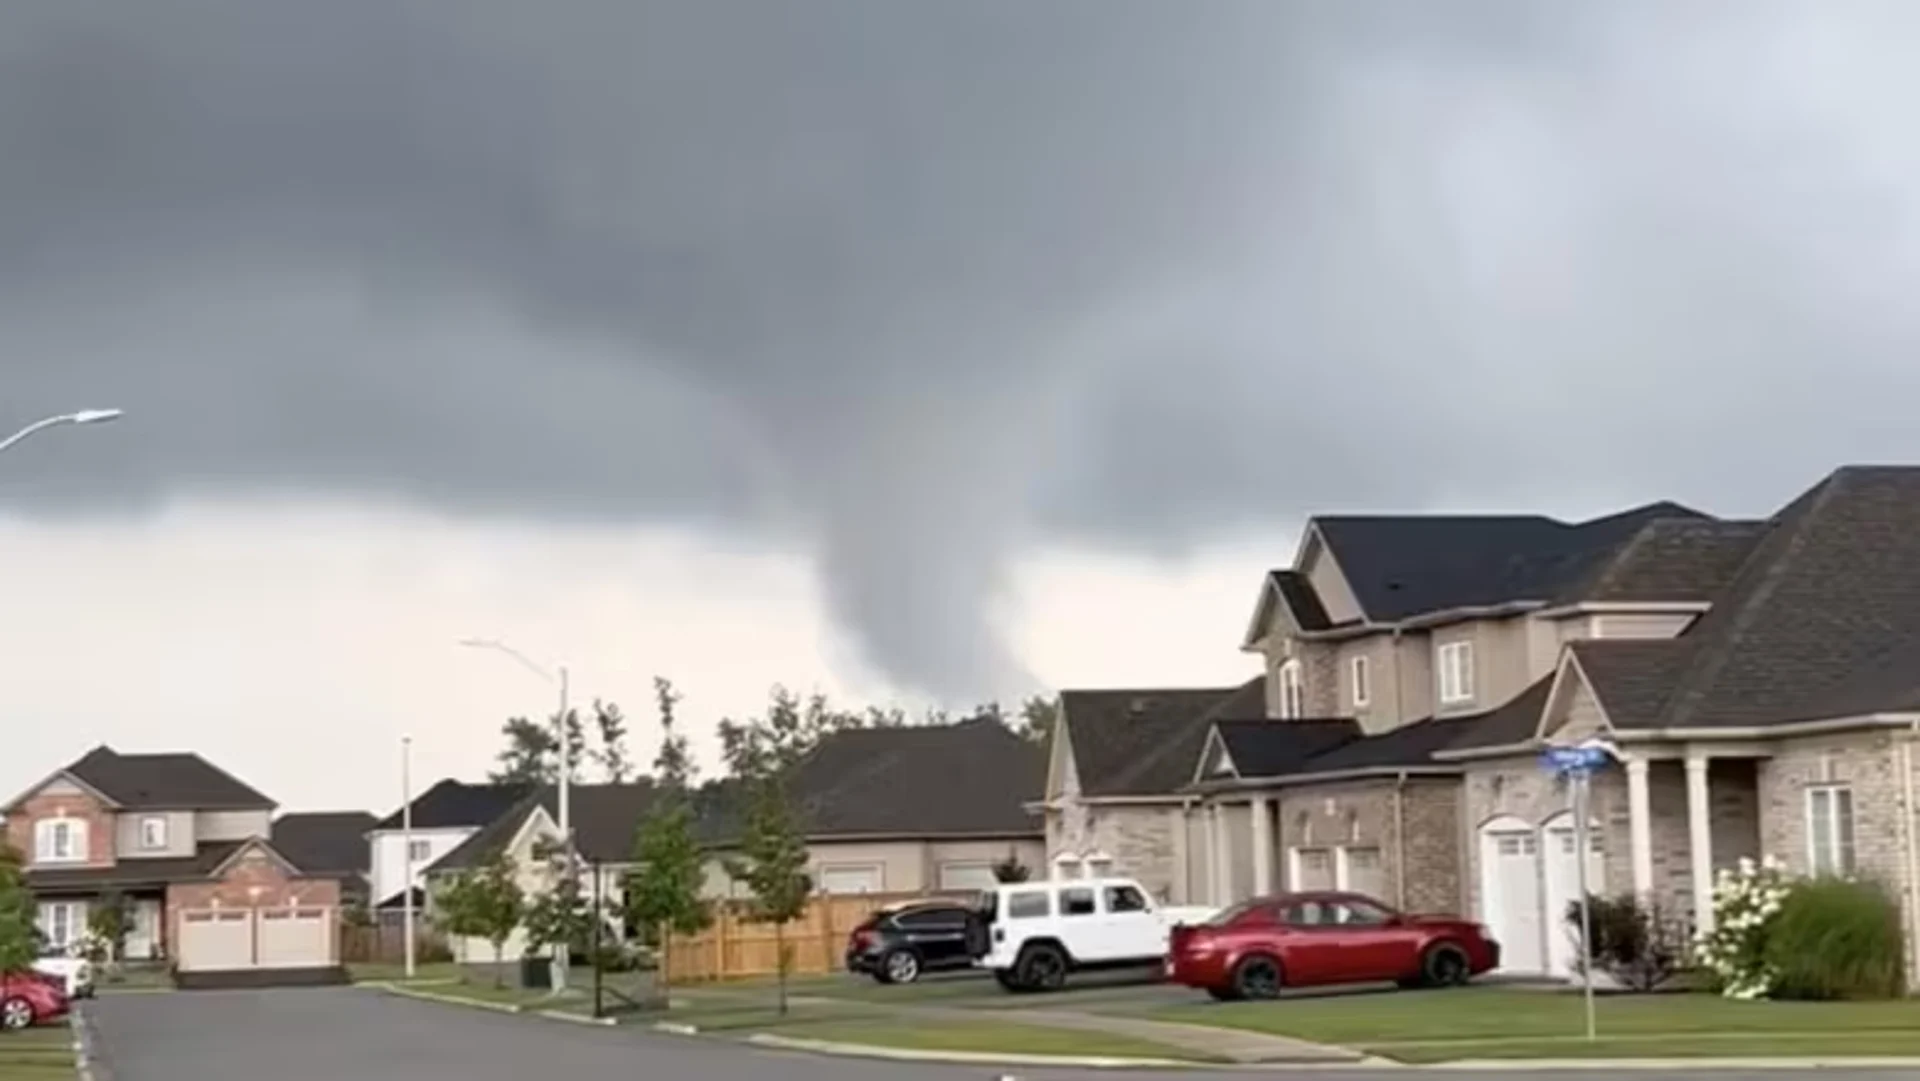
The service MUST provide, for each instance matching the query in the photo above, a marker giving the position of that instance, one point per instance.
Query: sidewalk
(1237, 1045)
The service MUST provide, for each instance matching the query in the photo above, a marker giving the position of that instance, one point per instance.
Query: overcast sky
(932, 349)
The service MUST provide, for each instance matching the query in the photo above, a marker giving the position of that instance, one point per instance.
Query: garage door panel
(214, 940)
(967, 876)
(294, 938)
(850, 879)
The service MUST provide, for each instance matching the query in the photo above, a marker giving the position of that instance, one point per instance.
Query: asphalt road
(346, 1034)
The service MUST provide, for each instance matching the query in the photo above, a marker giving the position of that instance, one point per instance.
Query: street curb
(576, 1018)
(86, 1065)
(1674, 1065)
(677, 1028)
(451, 1000)
(861, 1050)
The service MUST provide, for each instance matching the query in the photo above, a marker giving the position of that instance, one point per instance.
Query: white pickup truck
(1032, 934)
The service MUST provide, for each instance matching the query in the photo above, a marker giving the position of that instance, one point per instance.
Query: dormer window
(60, 840)
(1292, 697)
(1453, 665)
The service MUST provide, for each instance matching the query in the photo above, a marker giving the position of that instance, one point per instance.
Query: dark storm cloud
(923, 283)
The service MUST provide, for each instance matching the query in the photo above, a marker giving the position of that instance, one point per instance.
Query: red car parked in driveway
(29, 998)
(1257, 947)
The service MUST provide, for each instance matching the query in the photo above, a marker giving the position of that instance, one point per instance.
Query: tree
(559, 916)
(664, 891)
(1038, 715)
(19, 932)
(484, 903)
(108, 921)
(532, 754)
(1011, 869)
(773, 851)
(612, 752)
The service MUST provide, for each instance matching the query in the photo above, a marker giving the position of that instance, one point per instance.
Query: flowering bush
(1745, 902)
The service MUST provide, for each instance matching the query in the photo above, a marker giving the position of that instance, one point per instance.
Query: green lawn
(984, 1036)
(38, 1054)
(1429, 1026)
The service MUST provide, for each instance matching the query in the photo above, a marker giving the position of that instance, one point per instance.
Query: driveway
(347, 1034)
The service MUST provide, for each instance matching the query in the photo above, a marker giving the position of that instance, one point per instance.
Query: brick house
(185, 846)
(1761, 680)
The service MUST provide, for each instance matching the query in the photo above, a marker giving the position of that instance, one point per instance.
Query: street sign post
(1578, 764)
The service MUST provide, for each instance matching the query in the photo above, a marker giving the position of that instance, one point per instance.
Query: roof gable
(1275, 748)
(452, 804)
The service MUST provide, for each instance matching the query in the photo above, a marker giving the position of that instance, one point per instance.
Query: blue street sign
(1574, 759)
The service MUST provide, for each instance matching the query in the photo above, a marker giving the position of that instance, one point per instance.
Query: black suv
(899, 942)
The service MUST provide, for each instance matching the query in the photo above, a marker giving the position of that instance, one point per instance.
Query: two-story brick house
(1759, 677)
(184, 845)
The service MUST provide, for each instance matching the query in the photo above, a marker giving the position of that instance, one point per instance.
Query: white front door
(1510, 881)
(143, 929)
(1563, 889)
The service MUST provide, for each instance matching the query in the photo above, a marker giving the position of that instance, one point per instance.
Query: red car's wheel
(1444, 965)
(1257, 976)
(15, 1014)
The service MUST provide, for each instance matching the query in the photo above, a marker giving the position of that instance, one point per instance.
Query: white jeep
(1032, 934)
(70, 966)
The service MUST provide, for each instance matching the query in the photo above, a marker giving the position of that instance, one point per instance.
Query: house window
(153, 832)
(1455, 665)
(63, 922)
(60, 840)
(419, 851)
(1292, 699)
(1362, 682)
(1830, 829)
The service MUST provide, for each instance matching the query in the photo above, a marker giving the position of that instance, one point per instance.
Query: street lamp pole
(559, 678)
(406, 844)
(84, 416)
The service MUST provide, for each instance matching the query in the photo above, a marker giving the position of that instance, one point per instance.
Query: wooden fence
(736, 947)
(385, 943)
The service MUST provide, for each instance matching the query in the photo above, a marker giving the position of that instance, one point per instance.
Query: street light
(406, 844)
(558, 678)
(84, 416)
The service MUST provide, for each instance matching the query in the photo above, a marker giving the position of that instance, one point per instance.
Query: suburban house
(1759, 679)
(185, 847)
(331, 843)
(916, 809)
(444, 817)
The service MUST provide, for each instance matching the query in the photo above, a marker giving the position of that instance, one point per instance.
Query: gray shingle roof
(1673, 559)
(333, 842)
(165, 781)
(1271, 748)
(1513, 722)
(452, 804)
(1632, 678)
(1401, 566)
(1146, 741)
(1822, 620)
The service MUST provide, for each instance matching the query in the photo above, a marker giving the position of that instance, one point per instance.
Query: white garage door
(967, 876)
(1563, 889)
(1313, 869)
(861, 879)
(294, 938)
(215, 939)
(1362, 872)
(1510, 869)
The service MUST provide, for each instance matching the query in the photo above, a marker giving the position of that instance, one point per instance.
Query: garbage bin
(536, 972)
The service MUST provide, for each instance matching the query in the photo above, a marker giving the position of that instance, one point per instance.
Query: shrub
(1837, 939)
(1640, 946)
(1746, 903)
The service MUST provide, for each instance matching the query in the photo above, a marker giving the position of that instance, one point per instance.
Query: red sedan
(1257, 947)
(29, 998)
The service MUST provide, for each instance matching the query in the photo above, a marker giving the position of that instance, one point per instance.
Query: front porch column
(1700, 838)
(1262, 809)
(1222, 857)
(1180, 885)
(1640, 828)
